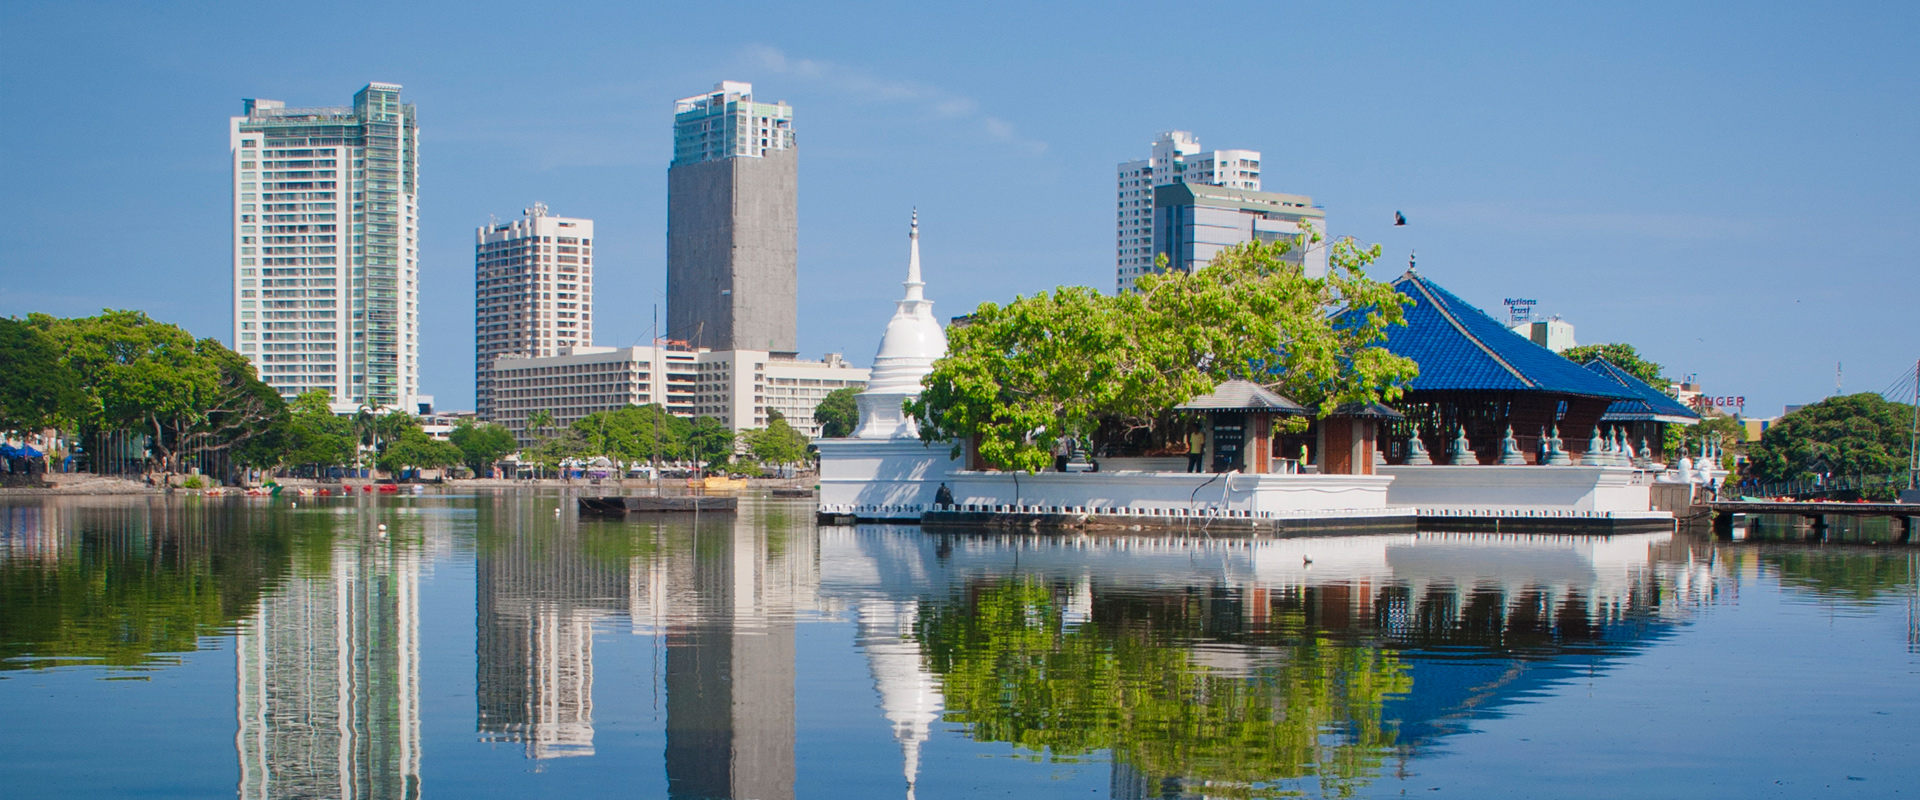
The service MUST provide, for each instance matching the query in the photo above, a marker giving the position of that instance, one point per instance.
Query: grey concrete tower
(733, 223)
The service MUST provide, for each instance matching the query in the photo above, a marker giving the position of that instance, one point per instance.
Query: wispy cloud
(930, 100)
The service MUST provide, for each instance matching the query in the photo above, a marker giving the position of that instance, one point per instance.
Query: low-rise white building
(736, 387)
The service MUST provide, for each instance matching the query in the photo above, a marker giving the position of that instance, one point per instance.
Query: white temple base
(882, 478)
(1528, 488)
(1103, 492)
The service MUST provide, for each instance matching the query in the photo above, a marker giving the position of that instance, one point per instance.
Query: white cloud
(930, 100)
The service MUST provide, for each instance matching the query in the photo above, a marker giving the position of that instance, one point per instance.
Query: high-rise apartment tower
(326, 276)
(533, 292)
(1176, 158)
(732, 223)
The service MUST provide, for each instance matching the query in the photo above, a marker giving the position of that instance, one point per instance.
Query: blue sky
(1731, 188)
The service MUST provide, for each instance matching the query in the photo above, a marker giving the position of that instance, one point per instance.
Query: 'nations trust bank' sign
(1723, 401)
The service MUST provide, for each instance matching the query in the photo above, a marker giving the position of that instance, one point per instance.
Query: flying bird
(1399, 220)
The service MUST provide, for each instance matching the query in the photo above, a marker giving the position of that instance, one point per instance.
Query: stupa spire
(914, 286)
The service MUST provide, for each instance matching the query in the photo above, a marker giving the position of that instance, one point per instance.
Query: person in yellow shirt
(1196, 449)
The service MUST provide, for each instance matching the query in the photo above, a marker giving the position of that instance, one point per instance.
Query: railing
(1825, 486)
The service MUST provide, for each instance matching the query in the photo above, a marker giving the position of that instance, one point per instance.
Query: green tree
(838, 413)
(413, 447)
(1019, 376)
(778, 443)
(36, 391)
(627, 434)
(481, 446)
(1622, 356)
(312, 435)
(1854, 435)
(710, 441)
(191, 397)
(540, 420)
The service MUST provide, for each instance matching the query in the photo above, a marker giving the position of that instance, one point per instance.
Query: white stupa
(909, 693)
(912, 343)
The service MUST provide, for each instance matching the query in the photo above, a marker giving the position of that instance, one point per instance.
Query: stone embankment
(80, 483)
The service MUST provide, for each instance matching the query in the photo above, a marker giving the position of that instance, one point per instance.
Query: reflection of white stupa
(909, 694)
(912, 343)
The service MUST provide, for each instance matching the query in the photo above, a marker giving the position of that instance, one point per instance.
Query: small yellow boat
(722, 483)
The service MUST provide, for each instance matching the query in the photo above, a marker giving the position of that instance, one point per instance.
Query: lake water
(487, 646)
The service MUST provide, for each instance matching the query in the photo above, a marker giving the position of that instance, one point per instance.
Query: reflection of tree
(1846, 577)
(1307, 707)
(133, 581)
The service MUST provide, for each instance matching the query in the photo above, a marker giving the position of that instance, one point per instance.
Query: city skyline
(1627, 166)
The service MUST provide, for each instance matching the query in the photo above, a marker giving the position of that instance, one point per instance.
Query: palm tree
(537, 421)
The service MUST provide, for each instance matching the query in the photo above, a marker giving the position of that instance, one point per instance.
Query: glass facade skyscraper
(326, 246)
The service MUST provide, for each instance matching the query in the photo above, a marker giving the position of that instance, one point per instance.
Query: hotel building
(736, 387)
(533, 292)
(326, 247)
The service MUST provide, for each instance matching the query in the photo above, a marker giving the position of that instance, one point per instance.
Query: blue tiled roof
(1460, 348)
(1648, 404)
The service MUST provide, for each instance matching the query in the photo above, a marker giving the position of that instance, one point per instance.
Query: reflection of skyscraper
(730, 657)
(329, 675)
(537, 595)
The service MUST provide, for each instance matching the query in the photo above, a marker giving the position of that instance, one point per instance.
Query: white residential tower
(533, 292)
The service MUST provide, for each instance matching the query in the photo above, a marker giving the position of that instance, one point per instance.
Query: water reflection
(329, 678)
(1191, 666)
(1240, 668)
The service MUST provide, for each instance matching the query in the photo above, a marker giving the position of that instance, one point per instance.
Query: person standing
(1196, 449)
(1062, 452)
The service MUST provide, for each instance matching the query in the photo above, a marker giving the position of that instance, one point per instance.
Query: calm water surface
(489, 647)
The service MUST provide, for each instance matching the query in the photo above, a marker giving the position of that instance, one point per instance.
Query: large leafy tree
(628, 434)
(481, 446)
(710, 441)
(1018, 377)
(189, 396)
(415, 448)
(309, 434)
(1853, 435)
(778, 443)
(35, 390)
(1623, 356)
(838, 413)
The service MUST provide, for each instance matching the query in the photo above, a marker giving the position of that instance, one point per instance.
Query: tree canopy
(481, 446)
(190, 396)
(1623, 356)
(1018, 377)
(35, 391)
(1854, 435)
(838, 413)
(778, 443)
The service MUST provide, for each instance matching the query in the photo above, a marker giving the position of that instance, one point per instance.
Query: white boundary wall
(1529, 487)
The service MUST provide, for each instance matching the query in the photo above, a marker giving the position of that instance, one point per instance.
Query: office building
(533, 292)
(732, 223)
(1193, 222)
(326, 247)
(1554, 334)
(736, 387)
(1176, 158)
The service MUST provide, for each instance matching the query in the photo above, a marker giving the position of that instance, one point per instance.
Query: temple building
(1480, 378)
(1646, 416)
